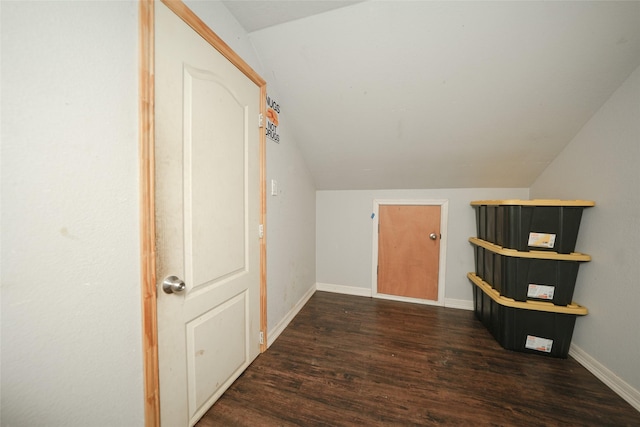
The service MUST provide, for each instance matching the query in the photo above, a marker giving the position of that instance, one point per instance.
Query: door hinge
(261, 337)
(261, 231)
(260, 120)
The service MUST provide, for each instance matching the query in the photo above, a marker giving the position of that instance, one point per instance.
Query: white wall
(291, 270)
(601, 164)
(71, 324)
(344, 234)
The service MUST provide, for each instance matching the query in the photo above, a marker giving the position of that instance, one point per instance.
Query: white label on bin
(540, 291)
(539, 344)
(542, 240)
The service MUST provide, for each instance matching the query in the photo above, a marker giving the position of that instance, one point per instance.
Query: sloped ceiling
(421, 94)
(258, 14)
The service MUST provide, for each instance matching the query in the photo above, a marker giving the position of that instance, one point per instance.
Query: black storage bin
(545, 225)
(486, 222)
(533, 275)
(481, 221)
(529, 327)
(478, 252)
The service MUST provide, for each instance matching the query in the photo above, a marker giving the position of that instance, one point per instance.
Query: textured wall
(71, 338)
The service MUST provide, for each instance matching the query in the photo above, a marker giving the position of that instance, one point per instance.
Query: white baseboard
(407, 299)
(615, 383)
(461, 304)
(273, 334)
(341, 289)
(365, 292)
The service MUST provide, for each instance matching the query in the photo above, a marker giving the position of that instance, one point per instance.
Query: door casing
(147, 189)
(444, 206)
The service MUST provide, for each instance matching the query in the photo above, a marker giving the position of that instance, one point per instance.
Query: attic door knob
(433, 236)
(172, 285)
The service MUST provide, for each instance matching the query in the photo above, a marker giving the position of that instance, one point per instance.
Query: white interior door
(207, 216)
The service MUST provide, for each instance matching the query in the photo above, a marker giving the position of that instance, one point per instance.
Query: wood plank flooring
(347, 360)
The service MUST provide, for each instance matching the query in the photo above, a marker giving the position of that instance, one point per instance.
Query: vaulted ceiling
(422, 94)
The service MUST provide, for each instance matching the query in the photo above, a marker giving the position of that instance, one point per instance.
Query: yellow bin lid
(572, 308)
(574, 256)
(535, 202)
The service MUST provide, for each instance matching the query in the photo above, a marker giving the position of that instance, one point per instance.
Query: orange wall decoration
(273, 111)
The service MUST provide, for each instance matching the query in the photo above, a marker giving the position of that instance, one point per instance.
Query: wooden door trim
(146, 142)
(147, 213)
(444, 209)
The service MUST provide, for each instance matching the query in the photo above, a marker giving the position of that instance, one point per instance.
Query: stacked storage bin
(526, 270)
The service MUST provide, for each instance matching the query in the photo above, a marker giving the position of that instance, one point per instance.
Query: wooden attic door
(409, 251)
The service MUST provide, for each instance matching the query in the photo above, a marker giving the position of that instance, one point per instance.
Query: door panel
(207, 216)
(210, 364)
(408, 258)
(214, 170)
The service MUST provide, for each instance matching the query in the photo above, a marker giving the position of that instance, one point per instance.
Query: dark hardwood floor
(347, 360)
